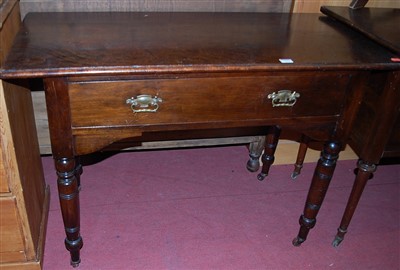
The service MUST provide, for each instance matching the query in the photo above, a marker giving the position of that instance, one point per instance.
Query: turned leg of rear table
(271, 142)
(365, 169)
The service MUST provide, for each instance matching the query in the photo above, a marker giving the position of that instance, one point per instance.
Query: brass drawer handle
(284, 98)
(144, 103)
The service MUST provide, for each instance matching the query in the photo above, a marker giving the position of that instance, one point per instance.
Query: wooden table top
(64, 44)
(379, 24)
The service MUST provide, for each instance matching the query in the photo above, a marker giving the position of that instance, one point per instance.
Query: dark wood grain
(66, 164)
(103, 102)
(379, 24)
(377, 117)
(214, 71)
(52, 44)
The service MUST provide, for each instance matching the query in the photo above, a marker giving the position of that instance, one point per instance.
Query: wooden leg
(255, 151)
(68, 189)
(300, 156)
(355, 4)
(67, 165)
(271, 142)
(319, 186)
(365, 170)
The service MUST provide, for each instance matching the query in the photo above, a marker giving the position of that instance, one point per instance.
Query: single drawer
(11, 237)
(3, 177)
(204, 100)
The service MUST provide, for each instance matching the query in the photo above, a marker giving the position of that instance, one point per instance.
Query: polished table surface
(120, 43)
(115, 76)
(379, 24)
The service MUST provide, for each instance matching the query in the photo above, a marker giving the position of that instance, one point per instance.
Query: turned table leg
(364, 172)
(271, 142)
(66, 163)
(300, 156)
(319, 186)
(68, 173)
(255, 150)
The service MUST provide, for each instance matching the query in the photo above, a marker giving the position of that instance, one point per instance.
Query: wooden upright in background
(24, 197)
(313, 6)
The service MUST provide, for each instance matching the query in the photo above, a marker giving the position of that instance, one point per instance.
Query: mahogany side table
(113, 76)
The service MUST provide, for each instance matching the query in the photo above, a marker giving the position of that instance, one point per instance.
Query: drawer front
(200, 100)
(11, 237)
(3, 177)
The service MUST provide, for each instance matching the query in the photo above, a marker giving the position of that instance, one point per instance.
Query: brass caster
(253, 165)
(261, 176)
(75, 264)
(294, 175)
(297, 241)
(336, 242)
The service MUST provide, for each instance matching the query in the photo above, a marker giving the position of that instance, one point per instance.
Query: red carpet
(201, 209)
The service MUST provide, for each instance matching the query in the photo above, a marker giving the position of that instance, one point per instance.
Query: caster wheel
(297, 242)
(336, 242)
(261, 176)
(294, 175)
